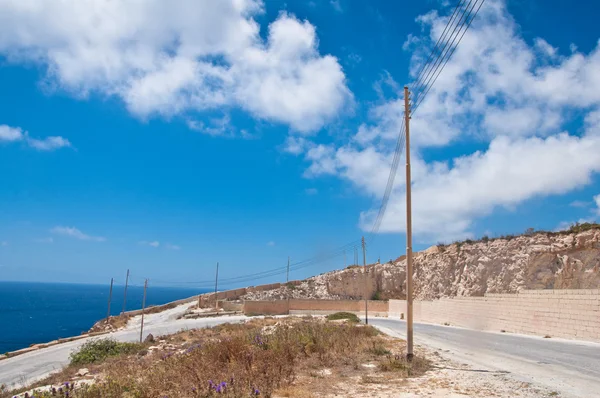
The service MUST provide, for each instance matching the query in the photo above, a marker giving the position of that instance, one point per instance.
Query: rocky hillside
(543, 260)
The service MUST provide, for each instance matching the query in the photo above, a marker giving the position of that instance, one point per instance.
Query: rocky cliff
(544, 260)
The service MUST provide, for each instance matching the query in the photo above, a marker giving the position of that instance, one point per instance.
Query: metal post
(366, 281)
(409, 263)
(216, 284)
(143, 307)
(125, 296)
(109, 299)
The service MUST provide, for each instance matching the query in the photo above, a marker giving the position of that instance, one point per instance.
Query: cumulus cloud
(178, 57)
(597, 200)
(16, 134)
(509, 98)
(76, 233)
(10, 134)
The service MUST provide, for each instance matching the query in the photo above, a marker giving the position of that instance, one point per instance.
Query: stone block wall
(566, 313)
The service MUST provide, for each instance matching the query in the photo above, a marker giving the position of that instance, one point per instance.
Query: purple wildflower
(256, 391)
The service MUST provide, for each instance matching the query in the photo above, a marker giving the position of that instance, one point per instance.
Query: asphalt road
(568, 367)
(36, 365)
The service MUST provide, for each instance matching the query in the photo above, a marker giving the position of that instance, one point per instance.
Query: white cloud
(151, 243)
(48, 143)
(311, 191)
(172, 247)
(44, 240)
(497, 92)
(75, 233)
(10, 134)
(296, 145)
(179, 57)
(16, 134)
(271, 243)
(597, 200)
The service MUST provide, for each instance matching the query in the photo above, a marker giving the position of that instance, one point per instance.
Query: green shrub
(343, 315)
(376, 295)
(98, 350)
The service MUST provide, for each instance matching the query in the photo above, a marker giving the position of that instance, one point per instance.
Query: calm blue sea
(40, 312)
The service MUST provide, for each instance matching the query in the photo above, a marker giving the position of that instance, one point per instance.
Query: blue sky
(166, 139)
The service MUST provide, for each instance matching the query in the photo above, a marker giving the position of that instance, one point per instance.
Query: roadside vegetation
(286, 357)
(349, 316)
(95, 351)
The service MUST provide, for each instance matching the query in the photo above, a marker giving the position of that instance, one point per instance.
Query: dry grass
(269, 357)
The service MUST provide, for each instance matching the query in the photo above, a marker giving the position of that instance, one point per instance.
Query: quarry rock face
(504, 265)
(537, 261)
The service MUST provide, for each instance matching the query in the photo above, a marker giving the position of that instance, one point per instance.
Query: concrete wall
(571, 314)
(296, 306)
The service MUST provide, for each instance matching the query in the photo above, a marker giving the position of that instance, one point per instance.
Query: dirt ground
(445, 378)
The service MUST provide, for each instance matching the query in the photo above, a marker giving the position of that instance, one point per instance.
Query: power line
(449, 56)
(421, 83)
(440, 40)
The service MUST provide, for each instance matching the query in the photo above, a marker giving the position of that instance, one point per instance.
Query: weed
(379, 349)
(98, 350)
(343, 315)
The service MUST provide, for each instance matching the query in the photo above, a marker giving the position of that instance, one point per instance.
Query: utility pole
(409, 263)
(125, 296)
(287, 280)
(366, 281)
(109, 299)
(143, 307)
(216, 284)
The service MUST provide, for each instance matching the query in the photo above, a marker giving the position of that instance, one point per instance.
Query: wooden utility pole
(109, 299)
(287, 280)
(366, 281)
(143, 308)
(409, 263)
(216, 285)
(125, 296)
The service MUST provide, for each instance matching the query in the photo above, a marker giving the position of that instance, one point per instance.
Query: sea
(33, 313)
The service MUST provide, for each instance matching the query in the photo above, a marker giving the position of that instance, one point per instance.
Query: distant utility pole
(109, 299)
(125, 296)
(409, 259)
(216, 285)
(143, 308)
(287, 280)
(355, 256)
(366, 281)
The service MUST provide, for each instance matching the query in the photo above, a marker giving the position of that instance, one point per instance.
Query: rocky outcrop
(537, 261)
(506, 265)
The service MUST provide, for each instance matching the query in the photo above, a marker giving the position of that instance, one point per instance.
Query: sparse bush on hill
(573, 229)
